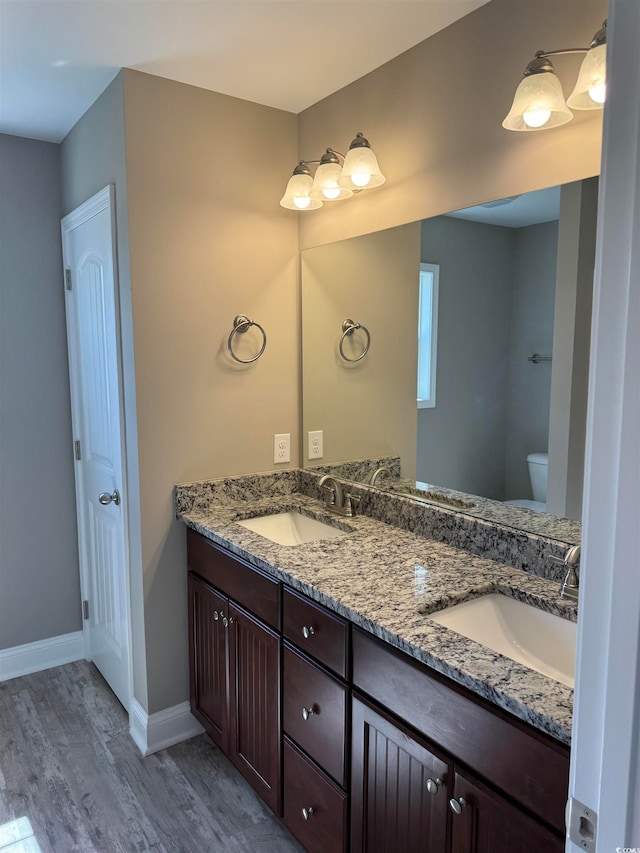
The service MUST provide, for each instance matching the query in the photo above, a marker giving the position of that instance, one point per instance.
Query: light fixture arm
(561, 52)
(536, 67)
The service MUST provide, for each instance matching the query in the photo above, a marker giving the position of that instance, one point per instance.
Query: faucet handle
(350, 503)
(571, 557)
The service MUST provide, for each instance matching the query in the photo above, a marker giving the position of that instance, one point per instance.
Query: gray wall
(531, 330)
(461, 441)
(39, 580)
(496, 305)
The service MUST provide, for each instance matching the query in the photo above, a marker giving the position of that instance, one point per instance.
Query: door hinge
(85, 609)
(67, 278)
(77, 450)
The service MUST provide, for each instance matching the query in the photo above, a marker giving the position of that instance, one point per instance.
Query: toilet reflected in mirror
(538, 464)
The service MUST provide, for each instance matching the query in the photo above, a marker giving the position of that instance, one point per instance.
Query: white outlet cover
(316, 441)
(281, 448)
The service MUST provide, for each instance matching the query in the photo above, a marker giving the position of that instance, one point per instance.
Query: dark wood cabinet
(209, 677)
(254, 689)
(528, 766)
(485, 822)
(400, 788)
(409, 761)
(235, 671)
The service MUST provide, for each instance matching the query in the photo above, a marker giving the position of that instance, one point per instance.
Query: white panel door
(94, 364)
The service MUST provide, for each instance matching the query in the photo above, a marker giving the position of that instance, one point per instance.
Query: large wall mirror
(494, 303)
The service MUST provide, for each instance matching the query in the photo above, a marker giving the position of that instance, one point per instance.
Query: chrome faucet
(332, 490)
(571, 582)
(378, 473)
(335, 500)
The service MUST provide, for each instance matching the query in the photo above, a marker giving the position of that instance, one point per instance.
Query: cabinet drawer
(531, 768)
(306, 787)
(250, 587)
(316, 631)
(322, 734)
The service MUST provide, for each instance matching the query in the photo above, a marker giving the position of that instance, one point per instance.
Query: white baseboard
(44, 654)
(153, 732)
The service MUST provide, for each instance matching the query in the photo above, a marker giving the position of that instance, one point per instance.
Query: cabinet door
(254, 658)
(209, 675)
(399, 789)
(486, 823)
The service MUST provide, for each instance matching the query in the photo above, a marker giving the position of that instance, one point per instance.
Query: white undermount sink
(292, 528)
(526, 634)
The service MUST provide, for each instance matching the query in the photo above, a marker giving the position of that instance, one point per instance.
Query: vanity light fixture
(337, 176)
(539, 102)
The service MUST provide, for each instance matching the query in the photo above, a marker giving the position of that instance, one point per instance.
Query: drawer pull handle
(458, 805)
(307, 813)
(308, 631)
(307, 712)
(433, 786)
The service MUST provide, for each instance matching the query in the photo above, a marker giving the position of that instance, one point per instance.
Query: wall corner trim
(41, 655)
(153, 732)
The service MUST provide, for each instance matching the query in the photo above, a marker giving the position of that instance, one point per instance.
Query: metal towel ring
(348, 328)
(242, 324)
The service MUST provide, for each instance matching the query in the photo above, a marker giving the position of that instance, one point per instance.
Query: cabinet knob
(308, 631)
(307, 712)
(434, 785)
(216, 615)
(306, 813)
(225, 621)
(458, 805)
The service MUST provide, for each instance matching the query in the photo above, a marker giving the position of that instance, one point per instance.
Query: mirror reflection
(476, 372)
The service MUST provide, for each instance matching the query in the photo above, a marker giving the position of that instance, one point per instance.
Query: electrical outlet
(282, 447)
(316, 450)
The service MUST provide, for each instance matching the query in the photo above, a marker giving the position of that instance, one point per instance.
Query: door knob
(105, 498)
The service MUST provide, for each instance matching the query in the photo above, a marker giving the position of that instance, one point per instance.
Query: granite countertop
(387, 580)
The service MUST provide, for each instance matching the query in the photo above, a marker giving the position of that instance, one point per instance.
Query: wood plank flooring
(67, 763)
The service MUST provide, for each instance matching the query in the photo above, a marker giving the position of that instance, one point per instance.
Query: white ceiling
(57, 56)
(518, 211)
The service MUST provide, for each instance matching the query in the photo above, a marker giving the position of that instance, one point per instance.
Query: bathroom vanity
(362, 723)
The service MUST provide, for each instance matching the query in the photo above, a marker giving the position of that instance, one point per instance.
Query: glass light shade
(591, 87)
(538, 104)
(297, 194)
(360, 170)
(325, 184)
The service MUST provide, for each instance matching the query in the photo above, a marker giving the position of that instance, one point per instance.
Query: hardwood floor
(67, 763)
